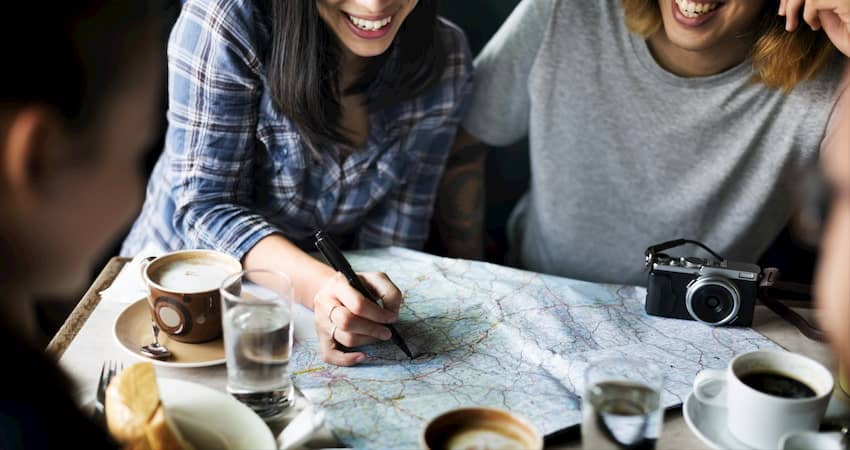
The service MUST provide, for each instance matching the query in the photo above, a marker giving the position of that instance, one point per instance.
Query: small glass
(257, 325)
(621, 406)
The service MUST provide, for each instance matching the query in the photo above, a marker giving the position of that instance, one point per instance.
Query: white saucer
(709, 424)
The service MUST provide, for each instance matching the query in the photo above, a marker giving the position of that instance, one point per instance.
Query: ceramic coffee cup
(768, 393)
(183, 292)
(477, 428)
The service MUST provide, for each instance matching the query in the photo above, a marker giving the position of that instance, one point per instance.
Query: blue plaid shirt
(234, 170)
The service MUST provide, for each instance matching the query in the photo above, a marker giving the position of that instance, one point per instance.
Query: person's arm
(461, 199)
(832, 285)
(214, 99)
(498, 115)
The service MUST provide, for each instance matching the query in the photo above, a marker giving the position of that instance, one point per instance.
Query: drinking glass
(257, 325)
(621, 406)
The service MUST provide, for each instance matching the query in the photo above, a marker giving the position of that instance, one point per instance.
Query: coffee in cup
(768, 393)
(480, 428)
(183, 292)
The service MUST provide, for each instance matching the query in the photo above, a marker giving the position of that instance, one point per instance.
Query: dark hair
(70, 55)
(303, 63)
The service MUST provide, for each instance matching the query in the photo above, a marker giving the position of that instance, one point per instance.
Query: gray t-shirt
(625, 154)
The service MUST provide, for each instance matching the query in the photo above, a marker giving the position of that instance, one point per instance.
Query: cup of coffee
(183, 292)
(768, 393)
(480, 428)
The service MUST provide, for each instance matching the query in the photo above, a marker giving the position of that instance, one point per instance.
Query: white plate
(709, 424)
(132, 329)
(210, 419)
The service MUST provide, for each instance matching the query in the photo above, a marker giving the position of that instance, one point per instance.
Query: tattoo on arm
(460, 203)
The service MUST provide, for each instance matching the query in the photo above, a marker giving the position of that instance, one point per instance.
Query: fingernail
(385, 334)
(360, 358)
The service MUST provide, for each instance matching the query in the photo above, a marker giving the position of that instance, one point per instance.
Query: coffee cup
(183, 292)
(768, 393)
(478, 428)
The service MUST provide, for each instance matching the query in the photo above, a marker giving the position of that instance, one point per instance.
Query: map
(487, 335)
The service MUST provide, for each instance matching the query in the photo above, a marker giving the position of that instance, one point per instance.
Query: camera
(714, 292)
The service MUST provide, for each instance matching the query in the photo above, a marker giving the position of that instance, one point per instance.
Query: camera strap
(773, 292)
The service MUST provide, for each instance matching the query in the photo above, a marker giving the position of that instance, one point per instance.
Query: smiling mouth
(369, 25)
(692, 9)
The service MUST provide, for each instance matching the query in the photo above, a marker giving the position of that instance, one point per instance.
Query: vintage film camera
(716, 292)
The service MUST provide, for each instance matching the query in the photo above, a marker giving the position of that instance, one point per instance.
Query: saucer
(132, 329)
(708, 422)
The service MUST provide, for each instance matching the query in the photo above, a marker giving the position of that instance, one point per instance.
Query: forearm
(460, 200)
(275, 252)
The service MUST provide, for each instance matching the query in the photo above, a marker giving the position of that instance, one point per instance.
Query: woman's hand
(831, 15)
(343, 316)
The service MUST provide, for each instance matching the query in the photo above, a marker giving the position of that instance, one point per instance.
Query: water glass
(621, 406)
(257, 325)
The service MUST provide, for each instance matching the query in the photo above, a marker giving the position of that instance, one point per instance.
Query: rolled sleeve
(214, 91)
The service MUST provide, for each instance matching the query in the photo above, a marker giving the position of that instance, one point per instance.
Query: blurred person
(290, 117)
(648, 120)
(78, 107)
(832, 278)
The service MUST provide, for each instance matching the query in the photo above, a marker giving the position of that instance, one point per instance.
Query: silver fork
(108, 370)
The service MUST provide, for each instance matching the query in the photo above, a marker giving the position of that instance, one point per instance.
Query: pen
(338, 262)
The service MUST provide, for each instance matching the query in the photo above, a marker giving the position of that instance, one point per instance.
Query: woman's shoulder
(454, 40)
(459, 58)
(825, 86)
(238, 21)
(233, 27)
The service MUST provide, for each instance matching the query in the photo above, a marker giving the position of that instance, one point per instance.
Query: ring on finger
(330, 313)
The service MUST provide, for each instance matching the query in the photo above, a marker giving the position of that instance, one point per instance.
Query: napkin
(129, 286)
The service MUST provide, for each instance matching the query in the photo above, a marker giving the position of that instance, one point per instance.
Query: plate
(708, 422)
(132, 329)
(210, 419)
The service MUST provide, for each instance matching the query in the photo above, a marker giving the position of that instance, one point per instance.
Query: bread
(135, 415)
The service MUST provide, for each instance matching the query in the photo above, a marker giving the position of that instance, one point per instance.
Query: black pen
(338, 262)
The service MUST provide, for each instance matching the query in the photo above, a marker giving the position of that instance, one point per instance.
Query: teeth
(370, 25)
(692, 9)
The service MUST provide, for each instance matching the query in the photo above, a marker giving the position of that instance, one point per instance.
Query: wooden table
(89, 317)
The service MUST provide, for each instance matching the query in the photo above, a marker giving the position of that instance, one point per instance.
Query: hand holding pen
(345, 316)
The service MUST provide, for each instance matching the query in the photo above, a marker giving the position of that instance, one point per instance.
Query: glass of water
(621, 406)
(257, 324)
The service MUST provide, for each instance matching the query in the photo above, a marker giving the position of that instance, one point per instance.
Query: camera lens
(713, 300)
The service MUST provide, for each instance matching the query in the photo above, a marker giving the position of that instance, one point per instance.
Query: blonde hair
(781, 59)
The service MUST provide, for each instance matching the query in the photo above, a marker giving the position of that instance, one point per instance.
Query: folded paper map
(486, 335)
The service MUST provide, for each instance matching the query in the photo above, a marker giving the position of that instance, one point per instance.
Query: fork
(107, 371)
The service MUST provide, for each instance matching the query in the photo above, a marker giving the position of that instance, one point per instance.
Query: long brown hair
(781, 59)
(303, 63)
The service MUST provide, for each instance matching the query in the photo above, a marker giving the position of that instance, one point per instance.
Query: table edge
(78, 317)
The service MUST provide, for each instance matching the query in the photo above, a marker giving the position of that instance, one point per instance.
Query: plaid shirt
(235, 171)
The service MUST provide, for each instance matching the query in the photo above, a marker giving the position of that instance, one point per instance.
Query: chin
(369, 51)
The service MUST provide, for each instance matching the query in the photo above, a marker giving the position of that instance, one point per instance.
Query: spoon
(155, 350)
